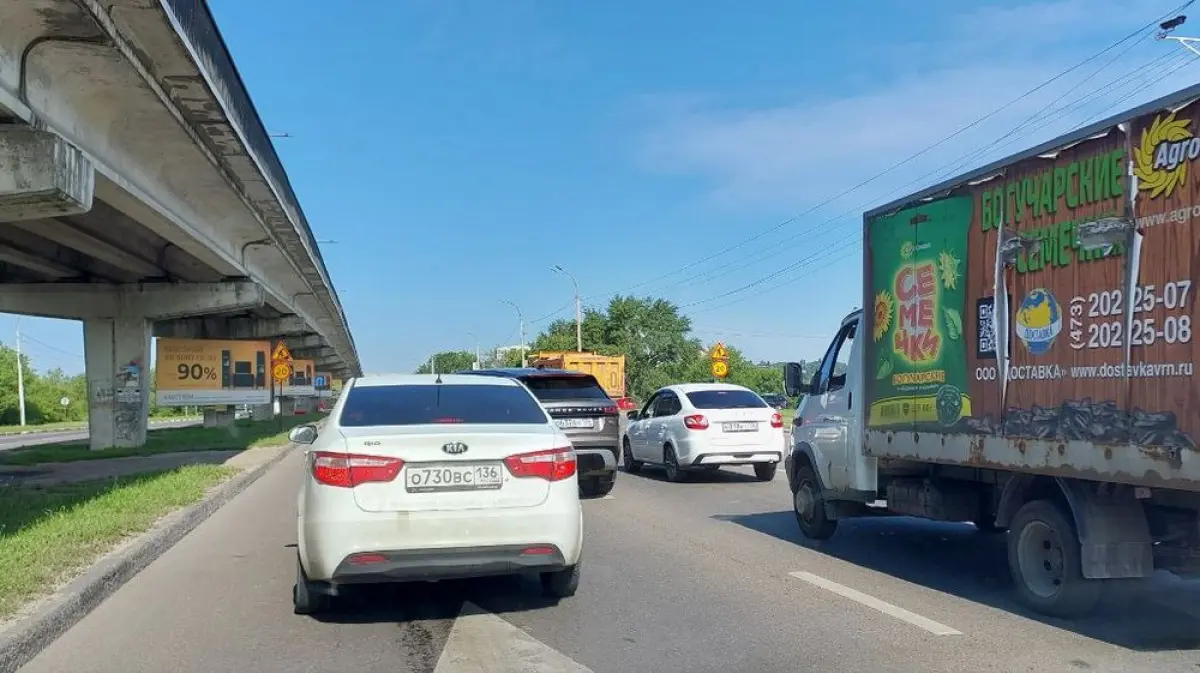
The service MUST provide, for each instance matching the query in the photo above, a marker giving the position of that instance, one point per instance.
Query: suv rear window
(435, 404)
(550, 388)
(725, 399)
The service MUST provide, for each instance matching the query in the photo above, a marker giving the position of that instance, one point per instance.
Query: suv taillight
(695, 422)
(551, 465)
(776, 420)
(347, 470)
(611, 411)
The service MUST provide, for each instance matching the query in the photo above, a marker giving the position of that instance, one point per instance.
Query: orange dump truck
(609, 370)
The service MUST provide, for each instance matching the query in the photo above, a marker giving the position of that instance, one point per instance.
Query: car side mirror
(303, 434)
(793, 379)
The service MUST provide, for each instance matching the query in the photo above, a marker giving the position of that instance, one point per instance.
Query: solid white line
(883, 606)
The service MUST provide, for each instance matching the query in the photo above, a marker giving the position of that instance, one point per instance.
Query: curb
(19, 646)
(81, 428)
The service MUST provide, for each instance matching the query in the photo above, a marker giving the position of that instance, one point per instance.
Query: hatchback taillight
(551, 465)
(695, 422)
(777, 420)
(347, 470)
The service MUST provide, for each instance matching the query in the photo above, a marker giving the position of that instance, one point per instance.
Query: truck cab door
(830, 423)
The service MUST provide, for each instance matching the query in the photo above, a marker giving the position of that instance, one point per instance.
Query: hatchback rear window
(435, 404)
(549, 388)
(725, 399)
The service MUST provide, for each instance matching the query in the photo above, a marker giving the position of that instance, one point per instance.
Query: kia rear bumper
(424, 565)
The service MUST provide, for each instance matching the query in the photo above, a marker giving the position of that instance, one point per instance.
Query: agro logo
(1039, 320)
(1160, 161)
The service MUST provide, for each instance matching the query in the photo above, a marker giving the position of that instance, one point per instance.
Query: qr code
(986, 321)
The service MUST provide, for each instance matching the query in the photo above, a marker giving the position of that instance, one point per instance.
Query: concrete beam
(150, 302)
(213, 327)
(42, 175)
(70, 236)
(304, 342)
(321, 353)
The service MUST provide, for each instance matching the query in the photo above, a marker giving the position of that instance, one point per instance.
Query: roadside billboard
(1091, 353)
(198, 372)
(302, 381)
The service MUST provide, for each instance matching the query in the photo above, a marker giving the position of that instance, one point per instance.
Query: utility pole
(520, 328)
(578, 308)
(20, 377)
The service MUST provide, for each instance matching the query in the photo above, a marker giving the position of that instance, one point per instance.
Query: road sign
(281, 353)
(720, 368)
(66, 401)
(281, 372)
(719, 352)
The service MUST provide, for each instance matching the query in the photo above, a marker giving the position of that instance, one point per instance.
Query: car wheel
(765, 471)
(631, 466)
(595, 487)
(671, 463)
(1044, 559)
(809, 506)
(307, 597)
(561, 583)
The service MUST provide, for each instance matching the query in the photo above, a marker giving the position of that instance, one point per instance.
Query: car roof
(700, 387)
(429, 379)
(521, 372)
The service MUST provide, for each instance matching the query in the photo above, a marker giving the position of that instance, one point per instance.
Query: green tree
(43, 393)
(448, 361)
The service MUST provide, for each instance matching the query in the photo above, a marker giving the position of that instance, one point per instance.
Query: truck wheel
(1044, 559)
(631, 466)
(809, 506)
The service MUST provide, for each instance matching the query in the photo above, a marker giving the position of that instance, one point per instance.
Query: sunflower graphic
(884, 306)
(948, 266)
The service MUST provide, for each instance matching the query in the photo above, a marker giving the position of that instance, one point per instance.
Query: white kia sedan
(425, 478)
(703, 426)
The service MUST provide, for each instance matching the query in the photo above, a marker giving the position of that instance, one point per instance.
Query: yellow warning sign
(281, 353)
(720, 368)
(719, 352)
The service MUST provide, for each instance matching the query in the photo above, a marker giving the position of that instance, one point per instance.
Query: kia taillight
(776, 420)
(695, 422)
(347, 470)
(551, 465)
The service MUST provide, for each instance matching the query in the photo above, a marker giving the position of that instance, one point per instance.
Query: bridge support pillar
(117, 354)
(218, 418)
(262, 412)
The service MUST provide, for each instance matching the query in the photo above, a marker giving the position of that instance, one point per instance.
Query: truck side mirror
(793, 379)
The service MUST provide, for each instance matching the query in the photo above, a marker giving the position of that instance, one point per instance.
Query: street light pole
(578, 309)
(520, 327)
(20, 377)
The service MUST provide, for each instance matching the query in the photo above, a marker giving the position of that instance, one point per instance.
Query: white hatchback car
(425, 478)
(702, 426)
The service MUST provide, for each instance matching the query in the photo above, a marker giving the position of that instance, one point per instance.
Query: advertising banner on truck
(198, 372)
(1078, 364)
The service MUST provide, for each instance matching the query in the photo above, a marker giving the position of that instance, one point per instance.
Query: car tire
(596, 487)
(631, 466)
(1040, 536)
(675, 474)
(307, 597)
(806, 490)
(765, 471)
(561, 583)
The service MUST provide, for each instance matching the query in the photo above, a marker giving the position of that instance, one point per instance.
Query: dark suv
(584, 411)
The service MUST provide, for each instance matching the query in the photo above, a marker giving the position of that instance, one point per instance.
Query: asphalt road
(706, 576)
(35, 438)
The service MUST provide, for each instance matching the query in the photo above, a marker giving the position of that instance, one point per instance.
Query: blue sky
(457, 150)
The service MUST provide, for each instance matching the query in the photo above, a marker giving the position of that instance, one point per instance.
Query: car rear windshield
(434, 404)
(725, 399)
(550, 388)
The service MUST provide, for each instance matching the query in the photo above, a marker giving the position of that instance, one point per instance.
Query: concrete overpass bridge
(140, 193)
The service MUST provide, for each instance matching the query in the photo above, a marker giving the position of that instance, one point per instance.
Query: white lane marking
(481, 642)
(883, 606)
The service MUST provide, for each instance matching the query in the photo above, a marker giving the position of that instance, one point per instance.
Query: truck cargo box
(609, 370)
(1038, 315)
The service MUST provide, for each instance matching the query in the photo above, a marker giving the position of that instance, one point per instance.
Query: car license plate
(443, 477)
(575, 423)
(740, 427)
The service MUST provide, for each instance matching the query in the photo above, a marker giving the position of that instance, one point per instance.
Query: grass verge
(48, 534)
(73, 425)
(244, 434)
